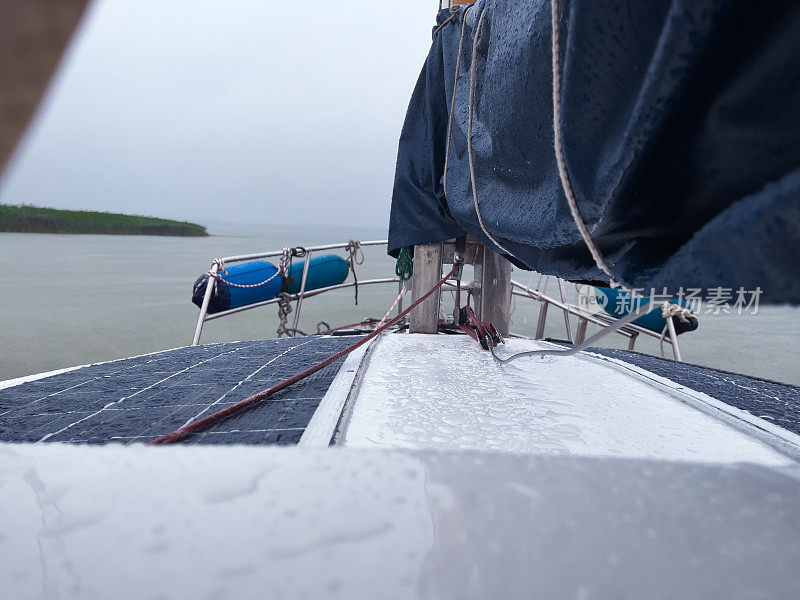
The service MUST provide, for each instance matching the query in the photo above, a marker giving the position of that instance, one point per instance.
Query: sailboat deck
(777, 402)
(453, 477)
(444, 392)
(413, 391)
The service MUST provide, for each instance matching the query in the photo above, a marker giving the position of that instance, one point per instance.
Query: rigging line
(445, 22)
(469, 136)
(563, 174)
(453, 99)
(391, 308)
(205, 422)
(631, 316)
(367, 321)
(354, 248)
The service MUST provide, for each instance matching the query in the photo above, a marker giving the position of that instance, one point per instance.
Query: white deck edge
(776, 437)
(26, 378)
(8, 383)
(321, 427)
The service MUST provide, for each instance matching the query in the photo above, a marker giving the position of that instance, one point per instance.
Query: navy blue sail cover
(681, 129)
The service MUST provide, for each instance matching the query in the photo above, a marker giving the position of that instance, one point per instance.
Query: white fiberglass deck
(444, 392)
(98, 522)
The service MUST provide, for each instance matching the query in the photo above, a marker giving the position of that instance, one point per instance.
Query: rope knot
(354, 248)
(286, 259)
(668, 311)
(210, 274)
(682, 313)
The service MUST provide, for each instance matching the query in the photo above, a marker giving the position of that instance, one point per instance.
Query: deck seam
(323, 423)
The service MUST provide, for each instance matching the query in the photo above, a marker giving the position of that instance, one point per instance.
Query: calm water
(75, 299)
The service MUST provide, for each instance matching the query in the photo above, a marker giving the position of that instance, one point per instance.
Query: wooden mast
(491, 287)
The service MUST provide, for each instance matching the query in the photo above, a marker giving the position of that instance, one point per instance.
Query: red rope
(482, 332)
(205, 422)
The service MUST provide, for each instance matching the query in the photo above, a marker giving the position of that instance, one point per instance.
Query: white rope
(356, 253)
(354, 248)
(566, 184)
(675, 310)
(563, 174)
(282, 270)
(472, 71)
(391, 308)
(441, 311)
(453, 100)
(211, 275)
(453, 12)
(669, 311)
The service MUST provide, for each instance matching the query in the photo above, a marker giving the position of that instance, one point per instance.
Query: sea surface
(75, 299)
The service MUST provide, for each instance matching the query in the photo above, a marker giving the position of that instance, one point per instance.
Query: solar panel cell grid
(139, 399)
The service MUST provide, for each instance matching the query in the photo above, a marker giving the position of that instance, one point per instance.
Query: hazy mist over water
(75, 299)
(258, 111)
(193, 109)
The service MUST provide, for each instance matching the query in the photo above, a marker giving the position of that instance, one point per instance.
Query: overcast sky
(246, 111)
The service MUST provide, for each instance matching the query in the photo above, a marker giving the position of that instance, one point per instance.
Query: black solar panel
(139, 399)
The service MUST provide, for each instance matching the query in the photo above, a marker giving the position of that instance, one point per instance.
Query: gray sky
(247, 111)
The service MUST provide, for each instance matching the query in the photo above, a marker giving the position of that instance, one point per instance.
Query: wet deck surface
(139, 399)
(446, 393)
(89, 521)
(777, 402)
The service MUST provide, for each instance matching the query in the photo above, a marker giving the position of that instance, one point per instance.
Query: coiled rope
(205, 422)
(404, 267)
(356, 257)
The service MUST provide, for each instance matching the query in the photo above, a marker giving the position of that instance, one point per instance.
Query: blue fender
(617, 303)
(323, 271)
(227, 296)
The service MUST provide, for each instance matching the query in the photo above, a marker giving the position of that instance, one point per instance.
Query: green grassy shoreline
(35, 219)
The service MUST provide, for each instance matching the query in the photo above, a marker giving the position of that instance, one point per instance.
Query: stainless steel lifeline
(629, 330)
(204, 316)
